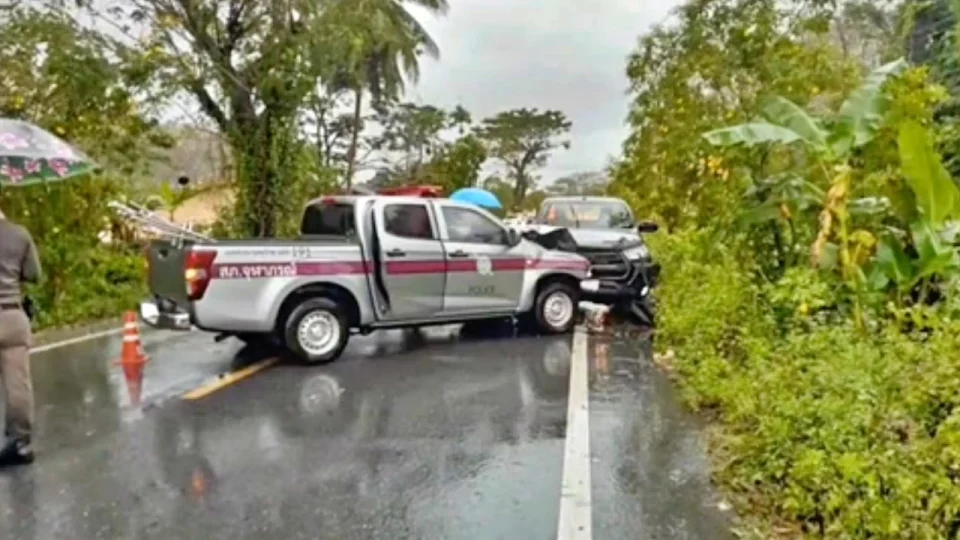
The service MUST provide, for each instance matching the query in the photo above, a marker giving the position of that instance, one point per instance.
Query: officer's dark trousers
(15, 341)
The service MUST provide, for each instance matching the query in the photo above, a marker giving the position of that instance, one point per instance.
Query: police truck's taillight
(197, 272)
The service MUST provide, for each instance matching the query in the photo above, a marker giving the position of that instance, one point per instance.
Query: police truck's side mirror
(513, 237)
(647, 227)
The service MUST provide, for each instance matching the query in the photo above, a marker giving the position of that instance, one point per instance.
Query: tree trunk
(354, 137)
(257, 195)
(519, 190)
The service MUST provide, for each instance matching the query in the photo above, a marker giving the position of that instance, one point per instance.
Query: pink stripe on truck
(341, 268)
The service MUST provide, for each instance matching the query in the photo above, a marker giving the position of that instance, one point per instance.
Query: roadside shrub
(84, 279)
(818, 429)
(708, 311)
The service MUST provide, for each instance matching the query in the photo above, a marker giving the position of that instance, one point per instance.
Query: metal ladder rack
(151, 223)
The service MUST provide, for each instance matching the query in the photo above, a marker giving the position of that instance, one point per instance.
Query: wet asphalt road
(408, 436)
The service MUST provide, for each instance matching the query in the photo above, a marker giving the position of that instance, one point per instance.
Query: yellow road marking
(227, 379)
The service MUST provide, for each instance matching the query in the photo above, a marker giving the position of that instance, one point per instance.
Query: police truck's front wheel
(317, 330)
(555, 308)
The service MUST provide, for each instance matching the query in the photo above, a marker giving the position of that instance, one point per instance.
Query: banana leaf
(936, 193)
(787, 114)
(892, 264)
(863, 110)
(752, 134)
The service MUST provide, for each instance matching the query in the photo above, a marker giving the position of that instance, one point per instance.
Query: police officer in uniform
(19, 263)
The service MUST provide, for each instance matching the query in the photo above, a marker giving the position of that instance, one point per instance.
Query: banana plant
(785, 194)
(779, 196)
(892, 266)
(938, 199)
(830, 142)
(784, 122)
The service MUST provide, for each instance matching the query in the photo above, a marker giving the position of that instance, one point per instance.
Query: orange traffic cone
(132, 358)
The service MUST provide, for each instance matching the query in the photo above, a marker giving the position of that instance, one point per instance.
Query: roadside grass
(100, 287)
(816, 430)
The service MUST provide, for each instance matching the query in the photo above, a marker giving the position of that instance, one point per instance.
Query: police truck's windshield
(588, 214)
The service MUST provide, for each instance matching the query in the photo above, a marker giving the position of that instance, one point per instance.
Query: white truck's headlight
(638, 252)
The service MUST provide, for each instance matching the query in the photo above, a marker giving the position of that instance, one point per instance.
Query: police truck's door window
(465, 225)
(328, 219)
(408, 221)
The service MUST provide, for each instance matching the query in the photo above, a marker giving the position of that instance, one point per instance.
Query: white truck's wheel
(317, 330)
(555, 308)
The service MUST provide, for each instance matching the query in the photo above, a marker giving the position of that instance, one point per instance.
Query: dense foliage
(819, 429)
(799, 167)
(97, 108)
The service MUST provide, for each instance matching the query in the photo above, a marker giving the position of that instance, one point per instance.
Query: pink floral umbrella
(30, 155)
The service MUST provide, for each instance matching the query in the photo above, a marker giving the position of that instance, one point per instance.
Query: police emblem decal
(484, 266)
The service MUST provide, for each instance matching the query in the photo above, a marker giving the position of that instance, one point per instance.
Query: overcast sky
(568, 55)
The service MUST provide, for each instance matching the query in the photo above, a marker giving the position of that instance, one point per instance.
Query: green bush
(84, 280)
(819, 429)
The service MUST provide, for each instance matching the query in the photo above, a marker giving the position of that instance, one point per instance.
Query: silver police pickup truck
(363, 263)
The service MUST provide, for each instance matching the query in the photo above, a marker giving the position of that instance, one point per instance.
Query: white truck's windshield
(587, 214)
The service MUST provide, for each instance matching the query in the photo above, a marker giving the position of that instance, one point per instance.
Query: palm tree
(460, 118)
(385, 53)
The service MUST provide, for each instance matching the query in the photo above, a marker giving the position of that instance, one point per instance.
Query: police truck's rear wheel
(317, 330)
(555, 308)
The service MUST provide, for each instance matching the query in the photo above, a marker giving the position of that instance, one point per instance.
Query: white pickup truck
(363, 263)
(605, 231)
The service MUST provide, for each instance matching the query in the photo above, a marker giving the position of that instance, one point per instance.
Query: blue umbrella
(477, 196)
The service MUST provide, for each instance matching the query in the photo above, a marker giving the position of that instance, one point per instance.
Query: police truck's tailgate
(166, 270)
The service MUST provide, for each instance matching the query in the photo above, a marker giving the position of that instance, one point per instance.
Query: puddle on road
(80, 392)
(651, 474)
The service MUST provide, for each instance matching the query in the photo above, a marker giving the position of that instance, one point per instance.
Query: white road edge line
(90, 337)
(576, 510)
(76, 340)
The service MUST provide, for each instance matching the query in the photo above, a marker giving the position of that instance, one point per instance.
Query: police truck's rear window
(334, 219)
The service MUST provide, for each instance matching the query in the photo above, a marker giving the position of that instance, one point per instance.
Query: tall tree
(683, 82)
(417, 148)
(523, 140)
(869, 30)
(458, 164)
(76, 84)
(384, 48)
(249, 65)
(329, 127)
(460, 119)
(414, 132)
(582, 183)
